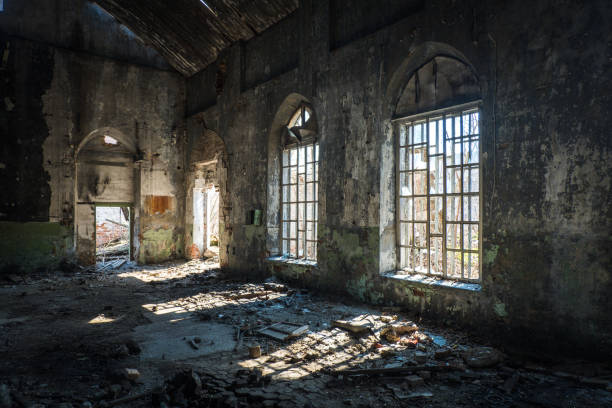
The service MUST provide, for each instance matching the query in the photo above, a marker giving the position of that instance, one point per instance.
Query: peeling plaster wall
(59, 96)
(546, 159)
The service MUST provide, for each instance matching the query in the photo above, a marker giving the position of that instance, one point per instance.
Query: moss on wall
(33, 245)
(159, 245)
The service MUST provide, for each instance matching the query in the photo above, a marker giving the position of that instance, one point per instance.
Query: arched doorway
(105, 194)
(206, 202)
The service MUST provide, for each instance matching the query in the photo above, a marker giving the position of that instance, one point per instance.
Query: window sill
(431, 281)
(291, 261)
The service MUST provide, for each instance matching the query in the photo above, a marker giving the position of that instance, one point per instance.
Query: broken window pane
(438, 189)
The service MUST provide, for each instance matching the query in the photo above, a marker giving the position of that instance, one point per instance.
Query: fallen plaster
(180, 334)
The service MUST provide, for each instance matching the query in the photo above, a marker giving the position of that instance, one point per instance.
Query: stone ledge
(431, 281)
(291, 261)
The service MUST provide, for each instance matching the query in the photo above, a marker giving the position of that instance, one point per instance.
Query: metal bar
(427, 192)
(462, 107)
(444, 263)
(412, 254)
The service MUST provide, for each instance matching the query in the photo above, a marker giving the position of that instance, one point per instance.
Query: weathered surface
(57, 106)
(545, 163)
(189, 34)
(546, 151)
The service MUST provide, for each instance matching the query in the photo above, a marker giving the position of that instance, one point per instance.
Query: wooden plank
(284, 330)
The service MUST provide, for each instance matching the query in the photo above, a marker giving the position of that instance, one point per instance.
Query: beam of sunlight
(208, 7)
(102, 319)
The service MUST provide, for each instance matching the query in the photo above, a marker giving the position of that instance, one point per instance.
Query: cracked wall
(546, 158)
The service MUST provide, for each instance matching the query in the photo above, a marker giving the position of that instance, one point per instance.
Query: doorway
(113, 235)
(206, 221)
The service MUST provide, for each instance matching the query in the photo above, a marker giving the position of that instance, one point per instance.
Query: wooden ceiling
(191, 33)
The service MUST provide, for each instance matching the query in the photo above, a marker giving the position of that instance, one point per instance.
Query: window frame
(425, 116)
(300, 113)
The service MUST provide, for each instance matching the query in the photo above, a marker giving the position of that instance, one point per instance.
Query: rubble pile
(222, 343)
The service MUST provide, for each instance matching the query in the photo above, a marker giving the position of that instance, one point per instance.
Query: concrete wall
(545, 164)
(55, 95)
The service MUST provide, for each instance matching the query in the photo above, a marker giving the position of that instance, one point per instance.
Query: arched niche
(434, 76)
(279, 137)
(105, 175)
(207, 199)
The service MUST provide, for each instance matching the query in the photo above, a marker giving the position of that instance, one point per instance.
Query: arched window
(299, 186)
(438, 172)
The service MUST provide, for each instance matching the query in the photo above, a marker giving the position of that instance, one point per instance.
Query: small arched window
(299, 186)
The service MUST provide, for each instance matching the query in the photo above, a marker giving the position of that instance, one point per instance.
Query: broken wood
(359, 325)
(238, 338)
(249, 295)
(397, 370)
(283, 331)
(123, 400)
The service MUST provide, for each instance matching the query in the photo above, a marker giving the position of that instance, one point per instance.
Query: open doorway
(113, 235)
(206, 221)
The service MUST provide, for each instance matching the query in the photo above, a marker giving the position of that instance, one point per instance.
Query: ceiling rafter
(187, 34)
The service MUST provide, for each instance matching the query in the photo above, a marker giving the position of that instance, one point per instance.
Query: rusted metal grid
(438, 182)
(299, 185)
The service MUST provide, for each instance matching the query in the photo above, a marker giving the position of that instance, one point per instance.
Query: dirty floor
(181, 335)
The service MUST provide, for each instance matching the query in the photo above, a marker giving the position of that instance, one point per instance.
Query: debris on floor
(284, 330)
(181, 335)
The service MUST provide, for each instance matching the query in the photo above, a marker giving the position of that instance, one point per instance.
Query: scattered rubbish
(437, 340)
(359, 324)
(397, 360)
(404, 328)
(414, 380)
(482, 357)
(390, 334)
(420, 357)
(255, 351)
(420, 394)
(193, 344)
(284, 330)
(249, 295)
(398, 371)
(123, 400)
(276, 287)
(443, 353)
(131, 374)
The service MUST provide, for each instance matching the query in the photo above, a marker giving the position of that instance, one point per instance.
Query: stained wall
(58, 89)
(543, 77)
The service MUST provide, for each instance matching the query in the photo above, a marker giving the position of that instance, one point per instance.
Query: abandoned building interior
(305, 203)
